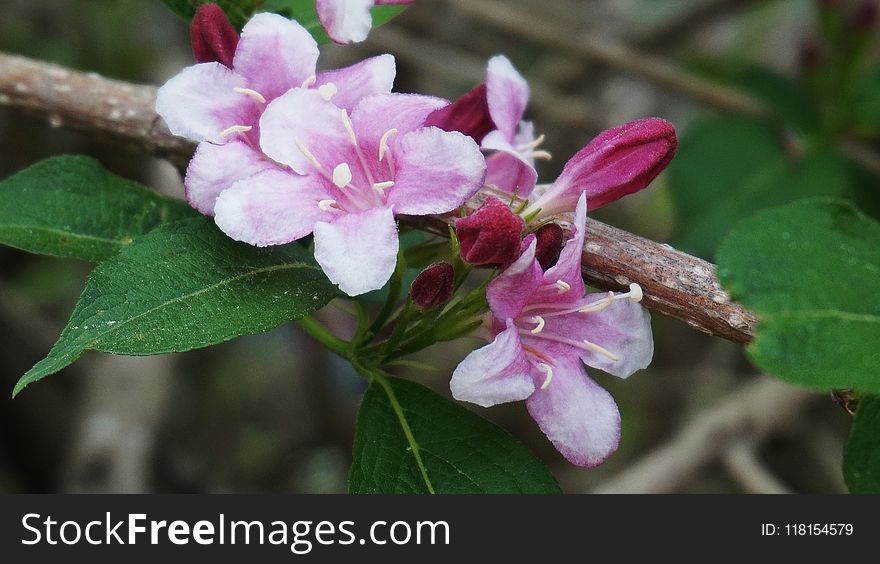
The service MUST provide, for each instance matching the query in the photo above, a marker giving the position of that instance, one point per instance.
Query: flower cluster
(285, 152)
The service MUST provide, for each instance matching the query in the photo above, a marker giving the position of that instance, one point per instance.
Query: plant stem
(325, 337)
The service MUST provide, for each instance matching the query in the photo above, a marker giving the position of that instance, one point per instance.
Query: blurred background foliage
(275, 413)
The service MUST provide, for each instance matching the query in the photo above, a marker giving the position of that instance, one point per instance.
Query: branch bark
(675, 284)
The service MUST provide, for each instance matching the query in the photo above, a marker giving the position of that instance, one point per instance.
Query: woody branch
(674, 283)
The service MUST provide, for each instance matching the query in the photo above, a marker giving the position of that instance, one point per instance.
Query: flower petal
(375, 115)
(345, 21)
(275, 54)
(437, 171)
(215, 168)
(270, 208)
(299, 119)
(568, 267)
(578, 416)
(496, 373)
(199, 103)
(509, 172)
(623, 328)
(508, 94)
(510, 291)
(370, 76)
(469, 115)
(358, 251)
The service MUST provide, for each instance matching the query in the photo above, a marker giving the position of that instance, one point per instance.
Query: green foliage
(183, 286)
(865, 104)
(727, 168)
(410, 440)
(810, 272)
(861, 457)
(71, 206)
(303, 11)
(789, 100)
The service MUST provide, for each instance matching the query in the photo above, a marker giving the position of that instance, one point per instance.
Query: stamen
(548, 370)
(563, 286)
(533, 145)
(598, 306)
(601, 350)
(635, 293)
(328, 205)
(252, 93)
(543, 155)
(327, 91)
(307, 154)
(348, 128)
(309, 81)
(235, 129)
(383, 142)
(342, 175)
(380, 186)
(540, 321)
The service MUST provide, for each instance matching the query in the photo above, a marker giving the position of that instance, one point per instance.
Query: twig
(750, 413)
(675, 284)
(89, 102)
(745, 466)
(531, 27)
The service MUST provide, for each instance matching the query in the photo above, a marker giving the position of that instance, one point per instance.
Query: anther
(563, 286)
(309, 81)
(533, 145)
(381, 186)
(383, 142)
(306, 153)
(235, 129)
(543, 155)
(540, 321)
(601, 350)
(327, 91)
(328, 205)
(342, 175)
(635, 293)
(252, 93)
(548, 370)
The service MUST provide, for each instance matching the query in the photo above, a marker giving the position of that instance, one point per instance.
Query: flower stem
(325, 337)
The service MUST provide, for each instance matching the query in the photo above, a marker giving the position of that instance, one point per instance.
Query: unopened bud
(550, 240)
(491, 235)
(433, 286)
(213, 37)
(469, 115)
(865, 16)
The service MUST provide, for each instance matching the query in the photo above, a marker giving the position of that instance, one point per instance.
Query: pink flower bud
(491, 235)
(433, 286)
(550, 239)
(213, 37)
(469, 115)
(617, 162)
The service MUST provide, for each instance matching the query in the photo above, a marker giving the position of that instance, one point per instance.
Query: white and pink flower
(349, 21)
(543, 327)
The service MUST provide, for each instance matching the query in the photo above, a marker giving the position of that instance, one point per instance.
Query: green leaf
(811, 271)
(791, 101)
(865, 104)
(728, 168)
(861, 457)
(71, 206)
(410, 440)
(184, 286)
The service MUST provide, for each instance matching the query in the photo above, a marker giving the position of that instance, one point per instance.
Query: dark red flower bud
(469, 115)
(433, 286)
(549, 244)
(213, 37)
(491, 235)
(810, 56)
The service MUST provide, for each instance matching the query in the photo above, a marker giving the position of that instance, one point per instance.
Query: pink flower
(349, 21)
(617, 162)
(220, 106)
(349, 175)
(543, 327)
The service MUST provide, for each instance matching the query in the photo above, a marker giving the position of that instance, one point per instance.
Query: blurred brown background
(275, 413)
